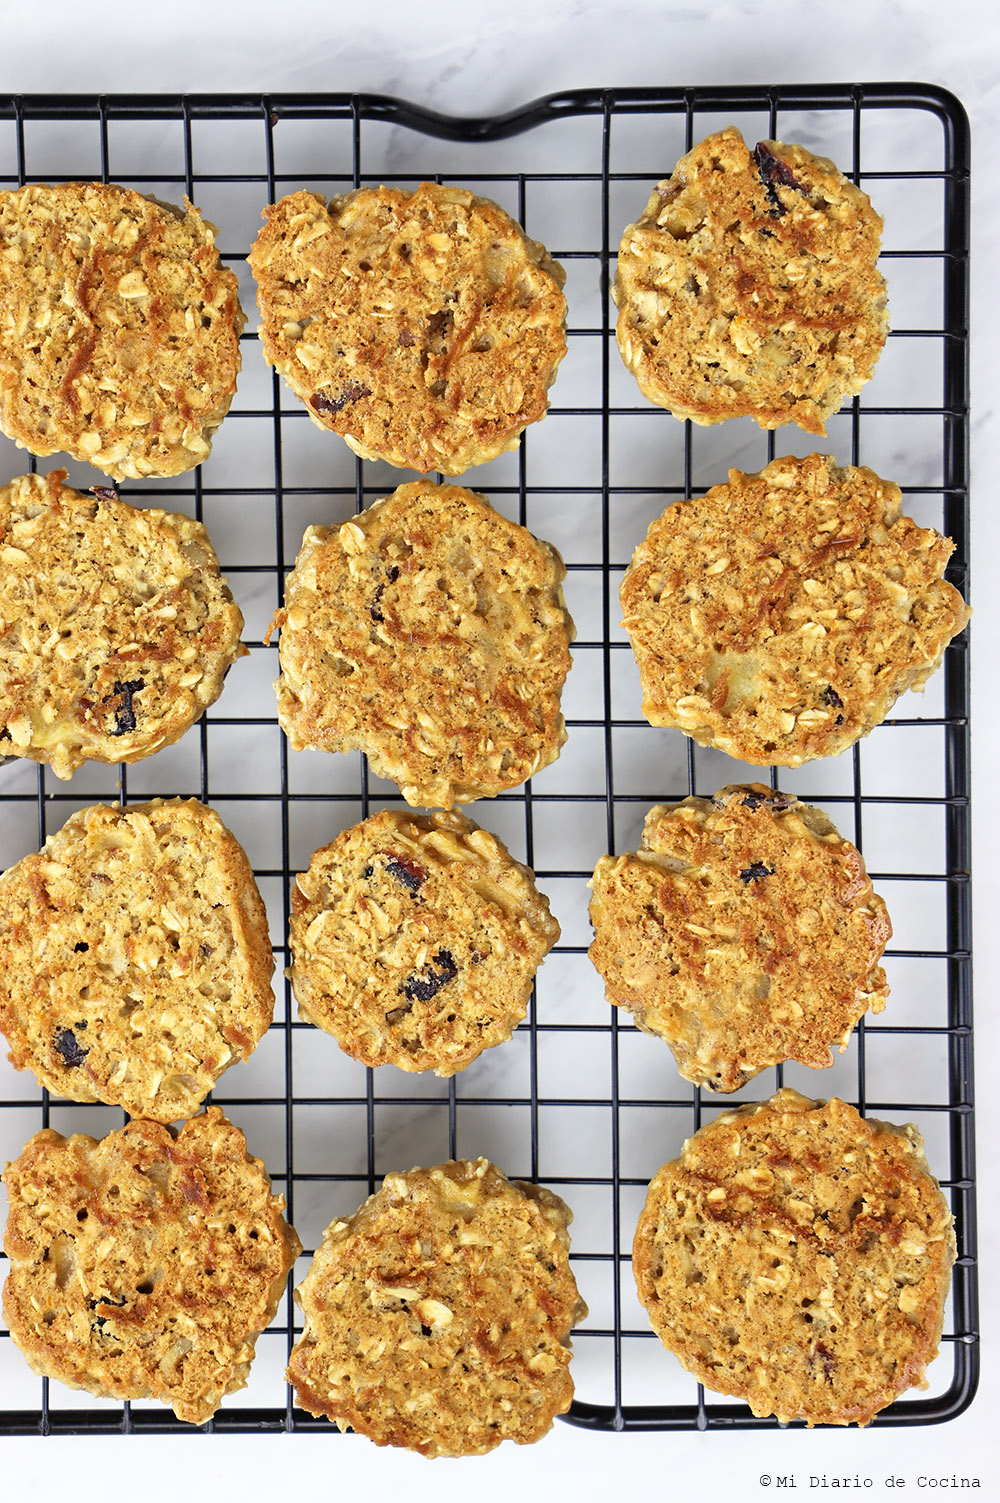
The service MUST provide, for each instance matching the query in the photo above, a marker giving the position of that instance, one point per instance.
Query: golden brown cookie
(116, 627)
(750, 287)
(798, 1257)
(423, 327)
(137, 960)
(415, 940)
(431, 633)
(119, 328)
(145, 1265)
(781, 616)
(744, 932)
(437, 1317)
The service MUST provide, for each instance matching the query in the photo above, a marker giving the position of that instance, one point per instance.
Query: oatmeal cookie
(137, 960)
(423, 327)
(415, 941)
(750, 287)
(116, 627)
(119, 328)
(744, 932)
(147, 1264)
(437, 1317)
(431, 633)
(781, 616)
(798, 1257)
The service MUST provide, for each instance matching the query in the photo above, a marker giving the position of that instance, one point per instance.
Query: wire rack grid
(578, 1099)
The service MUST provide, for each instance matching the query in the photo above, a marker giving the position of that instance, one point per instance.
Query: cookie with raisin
(431, 633)
(424, 327)
(415, 940)
(744, 932)
(137, 958)
(798, 1256)
(119, 328)
(779, 617)
(146, 1265)
(116, 626)
(749, 286)
(437, 1317)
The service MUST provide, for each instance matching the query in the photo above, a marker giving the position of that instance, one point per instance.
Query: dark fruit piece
(125, 716)
(423, 988)
(353, 391)
(772, 171)
(68, 1046)
(410, 873)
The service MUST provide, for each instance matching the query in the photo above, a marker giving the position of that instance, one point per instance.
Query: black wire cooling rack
(578, 1098)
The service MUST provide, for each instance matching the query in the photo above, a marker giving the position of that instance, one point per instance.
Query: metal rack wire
(573, 168)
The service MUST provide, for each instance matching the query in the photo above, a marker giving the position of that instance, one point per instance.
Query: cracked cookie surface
(119, 328)
(749, 287)
(116, 627)
(147, 1264)
(781, 616)
(138, 959)
(415, 940)
(423, 327)
(798, 1257)
(437, 1317)
(744, 932)
(431, 633)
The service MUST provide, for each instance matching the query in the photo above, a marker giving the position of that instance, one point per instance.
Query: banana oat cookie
(119, 328)
(431, 633)
(798, 1257)
(744, 932)
(137, 960)
(749, 287)
(145, 1265)
(423, 327)
(415, 940)
(781, 616)
(437, 1317)
(116, 627)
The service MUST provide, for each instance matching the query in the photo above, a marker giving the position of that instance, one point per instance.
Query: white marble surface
(473, 58)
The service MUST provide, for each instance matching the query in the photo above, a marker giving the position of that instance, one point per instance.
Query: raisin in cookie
(116, 627)
(145, 1265)
(119, 328)
(750, 287)
(415, 940)
(798, 1257)
(424, 327)
(744, 932)
(138, 960)
(781, 616)
(437, 1317)
(431, 633)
